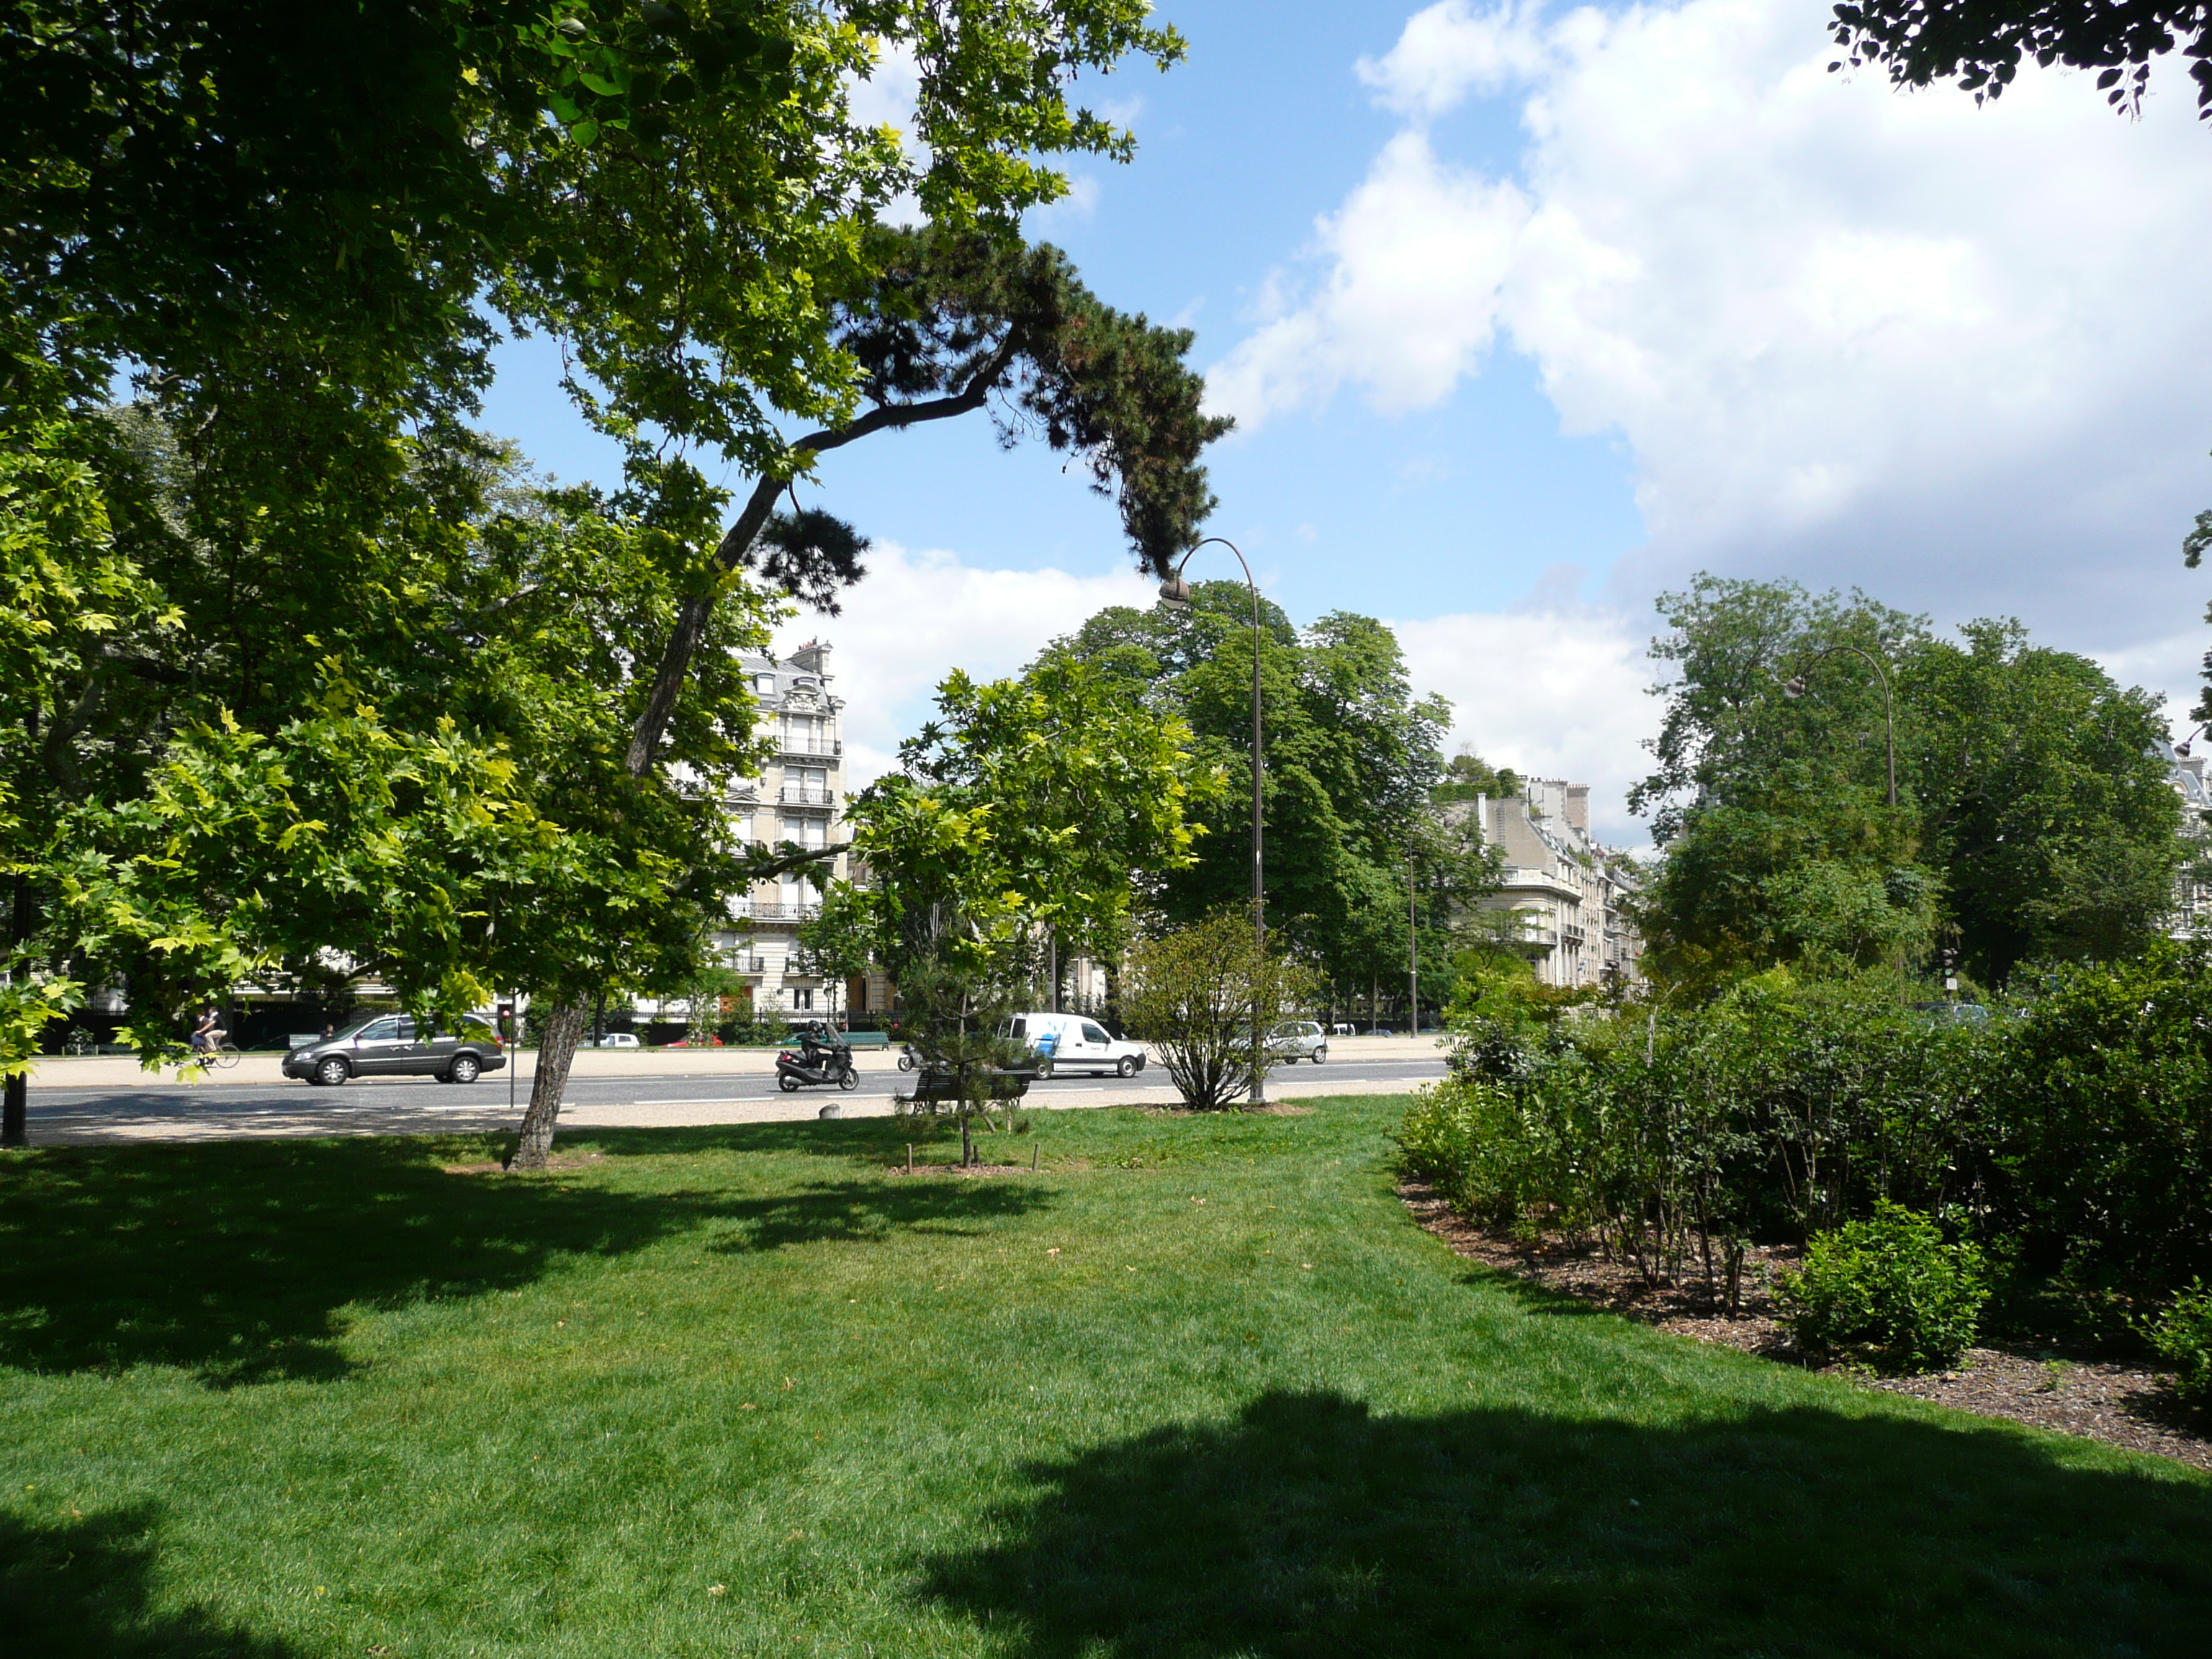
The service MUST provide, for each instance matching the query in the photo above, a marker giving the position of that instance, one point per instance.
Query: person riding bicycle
(208, 1032)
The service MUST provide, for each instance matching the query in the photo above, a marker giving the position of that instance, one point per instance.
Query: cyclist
(207, 1033)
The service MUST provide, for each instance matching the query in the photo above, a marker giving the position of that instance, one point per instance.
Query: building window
(803, 1002)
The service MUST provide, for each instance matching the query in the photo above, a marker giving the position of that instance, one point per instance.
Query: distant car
(613, 1040)
(1077, 1043)
(391, 1045)
(1295, 1040)
(1342, 1027)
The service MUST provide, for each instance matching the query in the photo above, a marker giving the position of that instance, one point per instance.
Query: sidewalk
(123, 1071)
(331, 1112)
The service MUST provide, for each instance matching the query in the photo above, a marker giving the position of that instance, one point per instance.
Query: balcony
(749, 964)
(771, 911)
(810, 748)
(800, 794)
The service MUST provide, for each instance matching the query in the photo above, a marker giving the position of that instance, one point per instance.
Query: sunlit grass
(1196, 1387)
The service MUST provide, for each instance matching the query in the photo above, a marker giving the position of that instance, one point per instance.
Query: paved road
(162, 1110)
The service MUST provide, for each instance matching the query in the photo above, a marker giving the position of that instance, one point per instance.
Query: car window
(1021, 1027)
(406, 1032)
(1092, 1034)
(379, 1030)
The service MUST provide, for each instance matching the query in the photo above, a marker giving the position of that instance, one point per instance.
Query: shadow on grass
(234, 1260)
(1309, 1527)
(85, 1588)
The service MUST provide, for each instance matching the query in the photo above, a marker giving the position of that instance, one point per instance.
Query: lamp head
(1174, 593)
(1793, 686)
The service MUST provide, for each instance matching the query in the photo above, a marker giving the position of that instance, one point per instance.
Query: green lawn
(1196, 1387)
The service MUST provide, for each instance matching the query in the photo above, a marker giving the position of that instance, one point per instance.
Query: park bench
(936, 1086)
(864, 1039)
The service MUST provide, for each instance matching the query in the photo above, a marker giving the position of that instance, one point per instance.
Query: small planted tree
(961, 1014)
(1204, 997)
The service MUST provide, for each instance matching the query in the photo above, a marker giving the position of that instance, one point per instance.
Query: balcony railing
(749, 964)
(769, 910)
(801, 794)
(811, 748)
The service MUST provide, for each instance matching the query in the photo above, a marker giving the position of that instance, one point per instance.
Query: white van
(1081, 1044)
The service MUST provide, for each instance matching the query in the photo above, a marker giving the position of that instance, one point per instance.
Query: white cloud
(920, 615)
(1551, 688)
(1849, 334)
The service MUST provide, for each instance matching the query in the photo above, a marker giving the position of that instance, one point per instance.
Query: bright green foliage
(2033, 819)
(1026, 805)
(1351, 757)
(1030, 1417)
(2183, 1336)
(2103, 1165)
(1205, 996)
(1671, 1137)
(1888, 1291)
(1467, 776)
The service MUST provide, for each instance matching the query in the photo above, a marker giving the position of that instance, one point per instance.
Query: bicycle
(220, 1055)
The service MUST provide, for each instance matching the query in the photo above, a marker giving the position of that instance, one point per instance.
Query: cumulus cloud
(920, 615)
(1552, 688)
(1848, 334)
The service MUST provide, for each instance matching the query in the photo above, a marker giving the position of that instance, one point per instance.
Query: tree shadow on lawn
(1309, 1527)
(233, 1261)
(84, 1589)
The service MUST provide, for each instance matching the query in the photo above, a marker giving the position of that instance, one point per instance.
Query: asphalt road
(161, 1110)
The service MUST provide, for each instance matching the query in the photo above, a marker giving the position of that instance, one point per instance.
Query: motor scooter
(816, 1063)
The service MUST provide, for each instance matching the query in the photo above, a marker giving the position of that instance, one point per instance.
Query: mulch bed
(2122, 1405)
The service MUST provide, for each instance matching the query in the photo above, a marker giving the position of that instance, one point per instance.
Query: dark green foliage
(1981, 44)
(2033, 820)
(2100, 1161)
(1887, 1291)
(1351, 757)
(2183, 1336)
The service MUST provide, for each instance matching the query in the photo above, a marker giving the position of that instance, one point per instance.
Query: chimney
(1579, 806)
(813, 657)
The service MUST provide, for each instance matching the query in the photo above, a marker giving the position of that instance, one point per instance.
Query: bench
(863, 1039)
(938, 1088)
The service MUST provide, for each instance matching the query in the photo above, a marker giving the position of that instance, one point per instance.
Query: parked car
(391, 1045)
(1342, 1027)
(613, 1039)
(1295, 1040)
(1078, 1043)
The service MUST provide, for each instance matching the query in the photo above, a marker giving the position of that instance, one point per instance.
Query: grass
(1196, 1387)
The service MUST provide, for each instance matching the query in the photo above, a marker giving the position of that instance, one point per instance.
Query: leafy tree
(1026, 805)
(1981, 44)
(285, 228)
(1205, 996)
(2032, 818)
(1352, 755)
(1466, 776)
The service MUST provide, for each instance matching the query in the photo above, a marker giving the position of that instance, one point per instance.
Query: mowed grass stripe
(1197, 1386)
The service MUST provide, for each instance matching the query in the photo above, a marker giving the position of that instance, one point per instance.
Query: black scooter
(816, 1063)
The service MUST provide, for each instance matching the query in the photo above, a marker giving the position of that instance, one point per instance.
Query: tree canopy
(2032, 818)
(1352, 757)
(1981, 44)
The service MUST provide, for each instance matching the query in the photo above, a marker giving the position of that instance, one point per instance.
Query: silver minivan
(1295, 1040)
(393, 1045)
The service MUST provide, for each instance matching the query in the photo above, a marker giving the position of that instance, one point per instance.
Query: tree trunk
(16, 1111)
(557, 1048)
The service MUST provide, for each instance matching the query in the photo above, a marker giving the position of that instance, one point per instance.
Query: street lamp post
(1174, 593)
(1794, 687)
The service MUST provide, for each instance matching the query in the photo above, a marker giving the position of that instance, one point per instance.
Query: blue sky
(1525, 314)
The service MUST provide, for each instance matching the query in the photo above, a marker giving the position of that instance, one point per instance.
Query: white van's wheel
(1127, 1065)
(1320, 1054)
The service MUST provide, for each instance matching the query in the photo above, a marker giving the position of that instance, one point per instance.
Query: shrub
(1196, 996)
(2183, 1335)
(2099, 1149)
(1888, 1291)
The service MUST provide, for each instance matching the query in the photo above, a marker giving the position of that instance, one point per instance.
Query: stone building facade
(1567, 893)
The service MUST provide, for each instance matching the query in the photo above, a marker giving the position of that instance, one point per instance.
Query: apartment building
(1567, 893)
(796, 799)
(2192, 885)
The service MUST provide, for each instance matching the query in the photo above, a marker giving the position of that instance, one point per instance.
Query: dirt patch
(2119, 1404)
(555, 1161)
